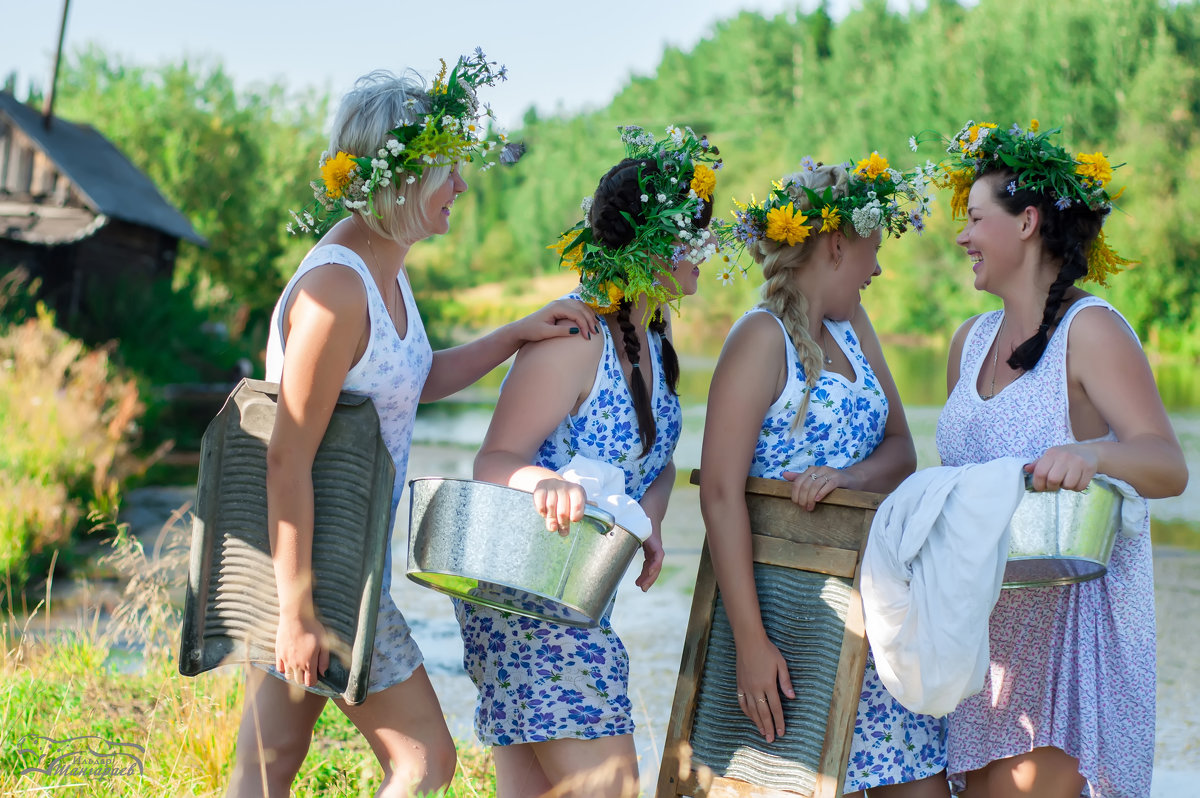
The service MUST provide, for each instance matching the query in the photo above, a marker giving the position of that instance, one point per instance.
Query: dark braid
(1067, 234)
(637, 385)
(618, 195)
(670, 362)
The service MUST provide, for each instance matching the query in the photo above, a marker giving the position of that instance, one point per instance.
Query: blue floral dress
(539, 680)
(844, 423)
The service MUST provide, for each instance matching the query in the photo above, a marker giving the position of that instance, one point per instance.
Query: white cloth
(604, 485)
(1135, 509)
(931, 573)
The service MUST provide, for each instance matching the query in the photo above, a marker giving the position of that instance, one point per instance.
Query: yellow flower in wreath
(337, 173)
(871, 167)
(786, 225)
(831, 219)
(1093, 168)
(704, 180)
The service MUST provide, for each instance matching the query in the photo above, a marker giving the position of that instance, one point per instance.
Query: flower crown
(448, 132)
(875, 196)
(1039, 166)
(673, 196)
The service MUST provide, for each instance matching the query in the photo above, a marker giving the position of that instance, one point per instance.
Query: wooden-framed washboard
(807, 564)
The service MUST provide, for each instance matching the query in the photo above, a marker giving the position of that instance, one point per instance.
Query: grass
(85, 681)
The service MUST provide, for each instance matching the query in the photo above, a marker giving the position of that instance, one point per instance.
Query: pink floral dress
(1073, 666)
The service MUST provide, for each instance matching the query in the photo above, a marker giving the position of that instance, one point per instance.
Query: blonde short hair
(379, 102)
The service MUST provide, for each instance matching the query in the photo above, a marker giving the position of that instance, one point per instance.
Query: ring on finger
(762, 700)
(813, 476)
(741, 695)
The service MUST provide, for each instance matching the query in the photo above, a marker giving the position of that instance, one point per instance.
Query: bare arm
(1108, 364)
(654, 503)
(954, 357)
(747, 380)
(547, 381)
(895, 457)
(325, 323)
(456, 368)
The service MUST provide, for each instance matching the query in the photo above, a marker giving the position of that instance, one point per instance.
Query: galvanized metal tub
(486, 544)
(1064, 536)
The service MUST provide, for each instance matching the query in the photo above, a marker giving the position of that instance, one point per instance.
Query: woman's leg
(1043, 772)
(934, 786)
(406, 730)
(273, 739)
(519, 774)
(605, 767)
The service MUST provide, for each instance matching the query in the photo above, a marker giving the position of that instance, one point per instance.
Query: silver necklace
(824, 351)
(995, 362)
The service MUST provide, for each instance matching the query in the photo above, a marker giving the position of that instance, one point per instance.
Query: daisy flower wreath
(672, 196)
(1040, 166)
(875, 196)
(450, 131)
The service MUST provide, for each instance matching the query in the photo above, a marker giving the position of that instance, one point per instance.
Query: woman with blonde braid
(553, 699)
(801, 392)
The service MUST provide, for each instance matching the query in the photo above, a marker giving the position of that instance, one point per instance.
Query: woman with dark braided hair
(553, 699)
(1057, 377)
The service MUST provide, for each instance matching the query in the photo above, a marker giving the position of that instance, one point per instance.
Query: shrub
(70, 422)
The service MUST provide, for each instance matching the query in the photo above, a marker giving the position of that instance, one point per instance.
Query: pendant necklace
(995, 362)
(824, 351)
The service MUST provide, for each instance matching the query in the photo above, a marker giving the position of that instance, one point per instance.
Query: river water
(652, 624)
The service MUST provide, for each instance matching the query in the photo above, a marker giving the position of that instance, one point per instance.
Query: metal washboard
(232, 609)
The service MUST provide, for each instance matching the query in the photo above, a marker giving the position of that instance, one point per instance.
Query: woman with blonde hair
(801, 392)
(347, 320)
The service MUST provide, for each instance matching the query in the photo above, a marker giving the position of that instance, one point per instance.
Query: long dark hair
(1067, 234)
(616, 208)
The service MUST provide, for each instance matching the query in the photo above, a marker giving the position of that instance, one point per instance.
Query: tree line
(1117, 75)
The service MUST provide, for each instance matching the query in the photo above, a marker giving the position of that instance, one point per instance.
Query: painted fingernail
(574, 331)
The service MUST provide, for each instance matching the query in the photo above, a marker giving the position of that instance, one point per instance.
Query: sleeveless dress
(540, 680)
(1073, 666)
(844, 423)
(392, 371)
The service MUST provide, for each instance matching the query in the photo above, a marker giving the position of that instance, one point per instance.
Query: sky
(562, 55)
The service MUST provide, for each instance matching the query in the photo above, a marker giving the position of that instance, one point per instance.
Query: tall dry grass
(68, 428)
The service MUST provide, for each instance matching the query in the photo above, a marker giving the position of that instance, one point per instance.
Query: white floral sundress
(539, 680)
(392, 371)
(843, 424)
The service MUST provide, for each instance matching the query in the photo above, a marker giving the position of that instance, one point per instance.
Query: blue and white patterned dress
(539, 680)
(844, 423)
(392, 371)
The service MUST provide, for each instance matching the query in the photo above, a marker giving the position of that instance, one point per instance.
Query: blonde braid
(781, 296)
(780, 293)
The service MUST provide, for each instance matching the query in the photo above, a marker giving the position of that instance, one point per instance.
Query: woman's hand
(300, 651)
(1069, 467)
(652, 551)
(560, 318)
(762, 675)
(813, 484)
(560, 502)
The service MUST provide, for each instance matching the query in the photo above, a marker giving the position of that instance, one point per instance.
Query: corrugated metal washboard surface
(232, 608)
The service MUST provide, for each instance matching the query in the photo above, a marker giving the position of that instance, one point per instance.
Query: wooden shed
(73, 208)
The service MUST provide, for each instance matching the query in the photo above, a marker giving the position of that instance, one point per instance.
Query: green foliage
(70, 422)
(231, 162)
(1116, 75)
